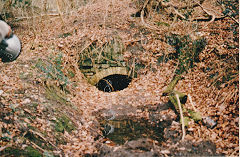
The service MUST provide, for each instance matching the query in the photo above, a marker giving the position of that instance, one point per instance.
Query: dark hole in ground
(86, 67)
(113, 83)
(121, 130)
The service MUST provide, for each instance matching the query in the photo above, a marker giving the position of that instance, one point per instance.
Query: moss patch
(63, 123)
(28, 152)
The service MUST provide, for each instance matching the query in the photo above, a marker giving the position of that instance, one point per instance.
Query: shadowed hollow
(113, 83)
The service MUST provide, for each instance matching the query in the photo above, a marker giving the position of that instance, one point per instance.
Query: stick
(210, 14)
(191, 102)
(4, 147)
(40, 135)
(234, 152)
(169, 4)
(179, 14)
(60, 12)
(181, 114)
(38, 16)
(36, 146)
(142, 17)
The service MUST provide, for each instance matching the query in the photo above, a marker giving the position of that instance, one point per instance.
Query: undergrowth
(52, 69)
(187, 51)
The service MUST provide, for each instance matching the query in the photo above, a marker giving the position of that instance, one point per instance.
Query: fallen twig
(209, 13)
(36, 146)
(207, 120)
(142, 17)
(179, 14)
(38, 16)
(175, 9)
(60, 12)
(41, 136)
(235, 152)
(181, 114)
(4, 147)
(169, 4)
(191, 102)
(234, 19)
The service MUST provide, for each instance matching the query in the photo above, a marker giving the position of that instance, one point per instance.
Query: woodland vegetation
(182, 58)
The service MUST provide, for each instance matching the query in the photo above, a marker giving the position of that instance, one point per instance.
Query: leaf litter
(28, 110)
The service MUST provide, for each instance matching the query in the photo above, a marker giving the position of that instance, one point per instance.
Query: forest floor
(49, 109)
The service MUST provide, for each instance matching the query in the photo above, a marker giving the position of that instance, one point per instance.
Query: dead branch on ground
(182, 118)
(175, 10)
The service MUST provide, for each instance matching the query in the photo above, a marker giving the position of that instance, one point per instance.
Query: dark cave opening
(114, 83)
